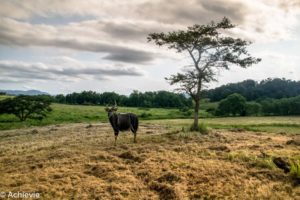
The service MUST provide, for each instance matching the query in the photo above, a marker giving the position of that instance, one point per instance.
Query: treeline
(235, 104)
(252, 90)
(159, 99)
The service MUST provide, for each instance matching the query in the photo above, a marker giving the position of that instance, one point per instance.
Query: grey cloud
(235, 11)
(115, 53)
(126, 31)
(128, 56)
(192, 11)
(24, 34)
(13, 71)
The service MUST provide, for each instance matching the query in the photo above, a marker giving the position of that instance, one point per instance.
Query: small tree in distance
(210, 50)
(23, 107)
(234, 104)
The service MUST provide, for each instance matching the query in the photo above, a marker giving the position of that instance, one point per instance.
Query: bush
(253, 108)
(145, 115)
(211, 111)
(185, 111)
(234, 104)
(202, 128)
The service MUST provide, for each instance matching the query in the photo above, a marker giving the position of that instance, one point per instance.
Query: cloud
(119, 29)
(13, 32)
(116, 31)
(191, 11)
(62, 69)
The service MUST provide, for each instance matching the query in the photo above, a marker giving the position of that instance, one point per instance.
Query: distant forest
(252, 90)
(159, 99)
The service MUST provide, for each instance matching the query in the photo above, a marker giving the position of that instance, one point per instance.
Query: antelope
(122, 121)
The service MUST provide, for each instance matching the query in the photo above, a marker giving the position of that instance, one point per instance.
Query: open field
(79, 161)
(283, 125)
(63, 113)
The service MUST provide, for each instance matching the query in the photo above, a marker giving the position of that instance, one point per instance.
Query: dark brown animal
(122, 122)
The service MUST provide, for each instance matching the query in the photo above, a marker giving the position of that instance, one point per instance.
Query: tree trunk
(196, 114)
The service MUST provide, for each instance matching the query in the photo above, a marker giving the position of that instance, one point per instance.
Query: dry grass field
(79, 161)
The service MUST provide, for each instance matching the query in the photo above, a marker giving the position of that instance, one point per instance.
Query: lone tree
(210, 50)
(23, 107)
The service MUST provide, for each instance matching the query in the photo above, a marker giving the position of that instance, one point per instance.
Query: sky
(64, 46)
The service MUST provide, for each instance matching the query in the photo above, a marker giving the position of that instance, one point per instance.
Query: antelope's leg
(116, 137)
(134, 137)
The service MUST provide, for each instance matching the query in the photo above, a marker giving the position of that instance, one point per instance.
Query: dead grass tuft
(219, 148)
(169, 177)
(128, 155)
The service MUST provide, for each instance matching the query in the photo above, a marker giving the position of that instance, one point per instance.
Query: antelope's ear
(115, 108)
(106, 109)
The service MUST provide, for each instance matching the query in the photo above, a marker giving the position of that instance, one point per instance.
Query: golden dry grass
(79, 161)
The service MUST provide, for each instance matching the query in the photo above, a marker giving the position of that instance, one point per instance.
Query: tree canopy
(23, 107)
(159, 99)
(275, 88)
(234, 104)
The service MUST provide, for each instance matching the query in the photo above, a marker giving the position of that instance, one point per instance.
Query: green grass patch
(173, 117)
(83, 113)
(289, 125)
(295, 169)
(2, 97)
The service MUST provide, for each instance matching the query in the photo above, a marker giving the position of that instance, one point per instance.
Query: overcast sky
(62, 46)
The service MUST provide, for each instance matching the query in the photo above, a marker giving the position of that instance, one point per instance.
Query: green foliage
(201, 128)
(234, 104)
(295, 169)
(2, 97)
(185, 111)
(159, 99)
(62, 113)
(252, 90)
(23, 107)
(211, 111)
(145, 115)
(253, 109)
(284, 106)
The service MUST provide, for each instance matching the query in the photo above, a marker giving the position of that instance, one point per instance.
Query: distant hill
(28, 92)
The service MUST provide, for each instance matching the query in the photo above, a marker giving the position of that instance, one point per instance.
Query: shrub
(211, 111)
(185, 111)
(253, 108)
(145, 115)
(234, 104)
(202, 128)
